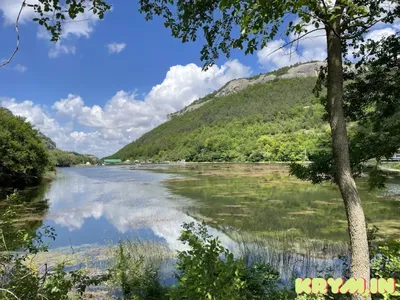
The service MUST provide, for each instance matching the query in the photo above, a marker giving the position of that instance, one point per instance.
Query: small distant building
(88, 163)
(396, 156)
(112, 161)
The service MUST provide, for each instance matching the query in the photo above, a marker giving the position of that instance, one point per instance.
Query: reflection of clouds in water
(131, 199)
(124, 203)
(75, 218)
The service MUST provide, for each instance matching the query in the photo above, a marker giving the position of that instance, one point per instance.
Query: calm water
(96, 206)
(101, 205)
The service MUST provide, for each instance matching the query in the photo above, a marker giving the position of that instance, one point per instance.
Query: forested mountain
(270, 117)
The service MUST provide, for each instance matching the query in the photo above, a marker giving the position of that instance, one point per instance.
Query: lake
(294, 225)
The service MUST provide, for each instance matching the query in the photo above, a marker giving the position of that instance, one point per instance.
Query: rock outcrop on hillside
(50, 144)
(304, 70)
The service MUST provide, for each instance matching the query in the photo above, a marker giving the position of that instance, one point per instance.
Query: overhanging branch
(17, 33)
(294, 40)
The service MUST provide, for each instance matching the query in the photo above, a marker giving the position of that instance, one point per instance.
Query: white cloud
(34, 114)
(311, 47)
(124, 118)
(277, 54)
(20, 68)
(11, 8)
(82, 26)
(59, 49)
(116, 47)
(184, 84)
(69, 107)
(378, 34)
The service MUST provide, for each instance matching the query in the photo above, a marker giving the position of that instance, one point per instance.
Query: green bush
(23, 154)
(135, 277)
(209, 271)
(386, 263)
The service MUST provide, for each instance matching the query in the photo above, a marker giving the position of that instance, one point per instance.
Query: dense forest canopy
(280, 120)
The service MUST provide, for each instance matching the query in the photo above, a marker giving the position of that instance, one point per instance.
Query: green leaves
(207, 270)
(51, 13)
(23, 156)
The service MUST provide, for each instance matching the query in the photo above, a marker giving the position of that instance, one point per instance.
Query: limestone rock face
(304, 70)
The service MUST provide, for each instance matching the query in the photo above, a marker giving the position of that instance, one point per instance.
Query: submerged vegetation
(133, 270)
(265, 201)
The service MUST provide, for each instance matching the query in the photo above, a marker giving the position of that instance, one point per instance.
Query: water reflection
(102, 204)
(24, 211)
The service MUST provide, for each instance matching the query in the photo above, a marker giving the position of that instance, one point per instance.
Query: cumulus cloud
(82, 26)
(184, 84)
(378, 34)
(59, 49)
(116, 47)
(11, 8)
(276, 54)
(20, 68)
(124, 118)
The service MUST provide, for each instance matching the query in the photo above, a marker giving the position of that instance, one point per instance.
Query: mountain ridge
(261, 118)
(309, 69)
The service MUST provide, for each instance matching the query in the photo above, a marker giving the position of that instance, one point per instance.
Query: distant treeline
(62, 158)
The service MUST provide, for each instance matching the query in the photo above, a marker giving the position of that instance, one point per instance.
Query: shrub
(134, 276)
(209, 271)
(23, 154)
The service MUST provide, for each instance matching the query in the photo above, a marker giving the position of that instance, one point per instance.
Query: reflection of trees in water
(22, 212)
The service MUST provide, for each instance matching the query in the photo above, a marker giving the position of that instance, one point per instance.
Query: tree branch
(295, 40)
(17, 32)
(11, 293)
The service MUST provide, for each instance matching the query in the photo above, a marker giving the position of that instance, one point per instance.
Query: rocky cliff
(302, 70)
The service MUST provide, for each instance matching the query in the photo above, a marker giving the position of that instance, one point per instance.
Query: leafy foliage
(371, 103)
(209, 271)
(51, 14)
(23, 155)
(136, 278)
(246, 25)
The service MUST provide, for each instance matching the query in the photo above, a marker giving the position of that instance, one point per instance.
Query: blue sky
(107, 82)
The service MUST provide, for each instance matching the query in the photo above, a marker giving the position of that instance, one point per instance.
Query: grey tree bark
(359, 267)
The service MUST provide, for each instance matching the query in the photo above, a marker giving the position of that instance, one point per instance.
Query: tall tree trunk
(359, 267)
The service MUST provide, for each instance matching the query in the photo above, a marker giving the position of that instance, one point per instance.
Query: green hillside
(279, 120)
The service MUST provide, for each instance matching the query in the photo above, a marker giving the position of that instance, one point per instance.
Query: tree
(373, 98)
(51, 14)
(23, 154)
(249, 25)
